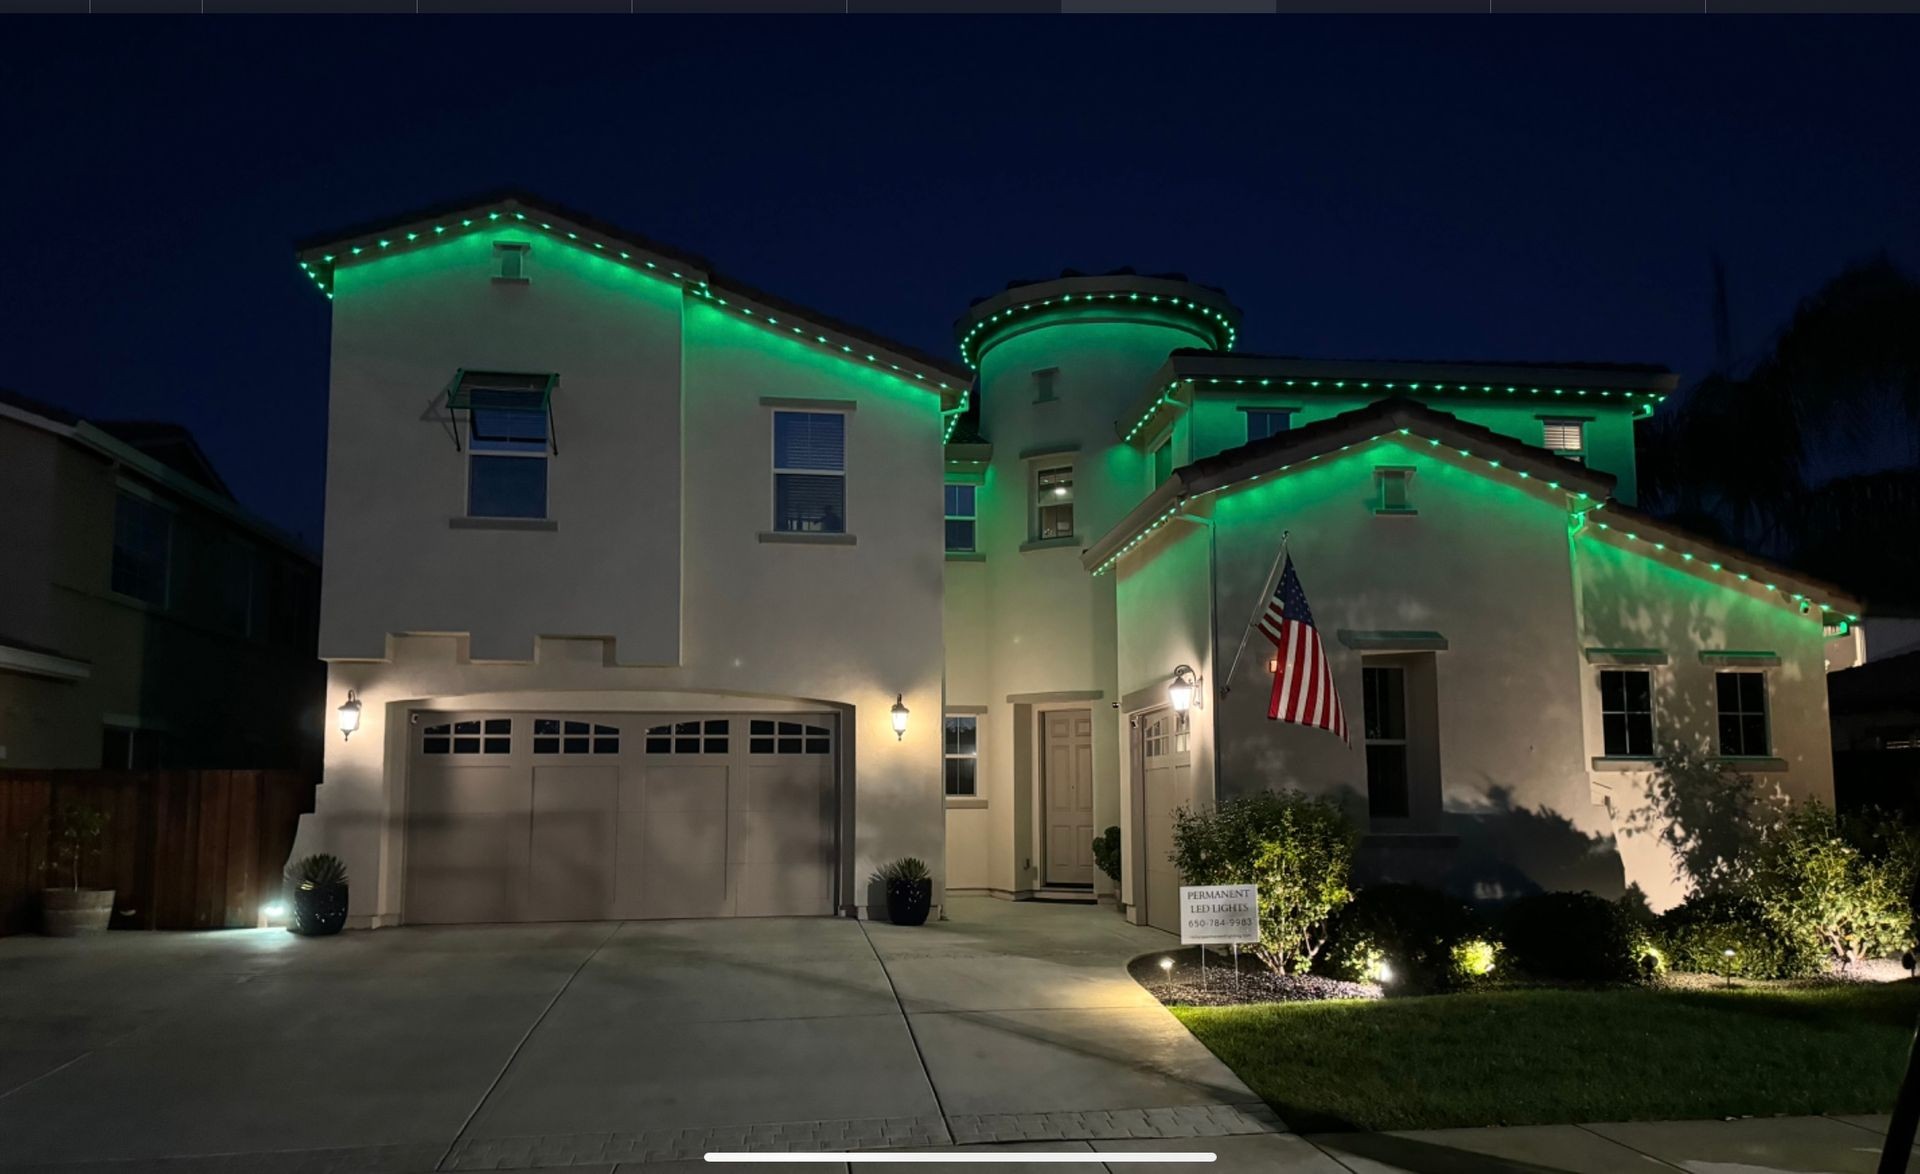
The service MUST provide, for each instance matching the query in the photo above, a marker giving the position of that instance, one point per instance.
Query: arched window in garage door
(695, 737)
(557, 736)
(777, 737)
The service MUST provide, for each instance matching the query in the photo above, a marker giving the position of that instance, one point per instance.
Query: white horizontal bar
(988, 1157)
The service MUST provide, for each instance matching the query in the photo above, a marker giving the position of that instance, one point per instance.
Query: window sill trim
(807, 538)
(1623, 762)
(1071, 542)
(505, 280)
(1385, 512)
(539, 524)
(966, 803)
(1756, 763)
(965, 556)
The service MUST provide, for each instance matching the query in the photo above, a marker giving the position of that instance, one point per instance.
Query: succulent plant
(322, 871)
(909, 869)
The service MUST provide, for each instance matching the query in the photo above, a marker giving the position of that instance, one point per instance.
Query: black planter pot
(318, 912)
(908, 901)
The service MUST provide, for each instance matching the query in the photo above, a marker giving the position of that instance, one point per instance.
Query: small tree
(1814, 882)
(73, 834)
(1297, 849)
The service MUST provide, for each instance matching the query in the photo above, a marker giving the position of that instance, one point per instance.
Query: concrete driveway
(596, 1045)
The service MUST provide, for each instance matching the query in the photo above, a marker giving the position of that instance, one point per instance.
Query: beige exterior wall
(654, 591)
(220, 695)
(1487, 562)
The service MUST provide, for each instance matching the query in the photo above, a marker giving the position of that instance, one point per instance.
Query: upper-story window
(1163, 459)
(1052, 501)
(1741, 699)
(961, 519)
(1394, 488)
(1265, 422)
(142, 548)
(507, 447)
(510, 260)
(1626, 713)
(1567, 438)
(810, 472)
(1043, 385)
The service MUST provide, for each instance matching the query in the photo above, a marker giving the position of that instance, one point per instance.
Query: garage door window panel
(492, 735)
(778, 737)
(706, 736)
(564, 737)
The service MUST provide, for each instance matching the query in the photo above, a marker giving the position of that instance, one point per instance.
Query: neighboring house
(635, 588)
(146, 619)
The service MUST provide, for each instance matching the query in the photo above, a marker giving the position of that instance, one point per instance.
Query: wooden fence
(182, 849)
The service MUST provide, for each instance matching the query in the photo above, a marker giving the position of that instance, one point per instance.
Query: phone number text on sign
(1219, 914)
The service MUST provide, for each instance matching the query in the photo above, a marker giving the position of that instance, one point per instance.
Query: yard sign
(1219, 915)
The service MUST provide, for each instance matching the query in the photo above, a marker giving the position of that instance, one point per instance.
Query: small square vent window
(510, 260)
(1394, 497)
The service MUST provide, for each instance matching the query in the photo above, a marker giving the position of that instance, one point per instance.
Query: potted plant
(317, 895)
(909, 890)
(1106, 854)
(73, 834)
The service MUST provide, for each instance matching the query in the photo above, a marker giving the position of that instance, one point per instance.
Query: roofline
(1732, 560)
(321, 254)
(1468, 377)
(118, 452)
(974, 331)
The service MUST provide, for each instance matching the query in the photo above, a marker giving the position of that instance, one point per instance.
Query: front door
(1066, 775)
(1166, 784)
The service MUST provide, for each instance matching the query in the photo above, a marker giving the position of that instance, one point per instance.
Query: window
(962, 755)
(1163, 461)
(1626, 712)
(1043, 385)
(1053, 502)
(704, 736)
(810, 472)
(1166, 733)
(510, 260)
(961, 518)
(777, 737)
(476, 736)
(142, 546)
(1265, 422)
(507, 445)
(1385, 691)
(1567, 438)
(553, 735)
(1743, 714)
(1393, 486)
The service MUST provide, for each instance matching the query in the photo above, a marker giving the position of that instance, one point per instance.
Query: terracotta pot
(909, 901)
(318, 912)
(69, 912)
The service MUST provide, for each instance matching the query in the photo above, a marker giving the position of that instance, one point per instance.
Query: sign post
(1219, 915)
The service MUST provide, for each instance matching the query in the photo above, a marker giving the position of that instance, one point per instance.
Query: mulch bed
(1256, 984)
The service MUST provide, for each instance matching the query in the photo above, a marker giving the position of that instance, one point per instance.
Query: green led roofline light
(694, 285)
(1743, 576)
(1219, 325)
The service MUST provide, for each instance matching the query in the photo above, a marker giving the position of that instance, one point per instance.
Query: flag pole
(1266, 592)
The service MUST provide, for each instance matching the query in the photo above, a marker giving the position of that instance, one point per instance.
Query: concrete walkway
(641, 1045)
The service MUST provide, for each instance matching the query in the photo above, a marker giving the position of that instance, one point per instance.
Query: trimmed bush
(1575, 937)
(1414, 930)
(1695, 937)
(1298, 849)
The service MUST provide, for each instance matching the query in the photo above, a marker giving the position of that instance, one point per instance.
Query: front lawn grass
(1542, 1056)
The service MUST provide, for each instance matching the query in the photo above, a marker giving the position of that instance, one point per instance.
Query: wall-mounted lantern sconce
(899, 718)
(1183, 688)
(349, 715)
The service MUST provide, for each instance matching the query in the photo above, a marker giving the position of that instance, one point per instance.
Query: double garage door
(590, 816)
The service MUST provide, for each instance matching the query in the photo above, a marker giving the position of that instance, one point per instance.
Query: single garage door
(583, 816)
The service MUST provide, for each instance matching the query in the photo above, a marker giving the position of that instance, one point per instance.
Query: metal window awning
(520, 392)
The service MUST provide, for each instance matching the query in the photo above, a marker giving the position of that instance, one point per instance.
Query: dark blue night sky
(1432, 188)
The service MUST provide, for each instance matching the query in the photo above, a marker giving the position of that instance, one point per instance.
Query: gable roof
(322, 254)
(1284, 450)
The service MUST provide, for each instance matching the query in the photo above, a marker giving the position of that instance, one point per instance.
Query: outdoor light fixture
(1166, 966)
(1728, 955)
(1181, 689)
(899, 718)
(349, 715)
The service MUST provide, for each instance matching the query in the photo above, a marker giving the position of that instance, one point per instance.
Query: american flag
(1303, 689)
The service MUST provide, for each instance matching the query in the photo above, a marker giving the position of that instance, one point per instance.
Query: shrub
(1695, 936)
(1297, 849)
(1573, 936)
(1474, 958)
(1413, 929)
(1814, 883)
(1106, 854)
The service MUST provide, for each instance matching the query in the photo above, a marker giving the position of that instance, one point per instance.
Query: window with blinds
(1567, 438)
(810, 472)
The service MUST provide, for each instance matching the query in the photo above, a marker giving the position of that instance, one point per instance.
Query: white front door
(1066, 776)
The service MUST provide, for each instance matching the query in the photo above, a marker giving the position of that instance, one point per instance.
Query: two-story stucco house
(636, 589)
